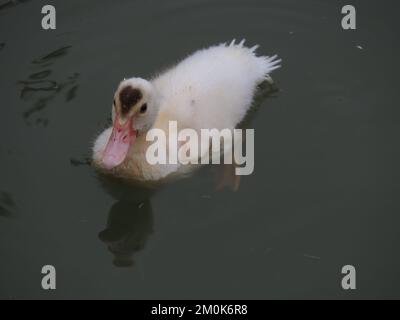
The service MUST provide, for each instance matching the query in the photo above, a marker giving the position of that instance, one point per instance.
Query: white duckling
(212, 88)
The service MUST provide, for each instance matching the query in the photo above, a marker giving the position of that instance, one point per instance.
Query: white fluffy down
(212, 88)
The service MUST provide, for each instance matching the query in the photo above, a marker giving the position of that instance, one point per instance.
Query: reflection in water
(130, 219)
(7, 204)
(41, 89)
(128, 228)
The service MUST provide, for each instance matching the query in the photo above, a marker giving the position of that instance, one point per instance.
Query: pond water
(324, 190)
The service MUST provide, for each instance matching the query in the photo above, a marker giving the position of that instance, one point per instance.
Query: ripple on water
(7, 204)
(6, 4)
(41, 87)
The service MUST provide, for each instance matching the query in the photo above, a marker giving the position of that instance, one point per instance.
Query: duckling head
(133, 112)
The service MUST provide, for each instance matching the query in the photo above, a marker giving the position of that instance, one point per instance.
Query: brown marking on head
(128, 97)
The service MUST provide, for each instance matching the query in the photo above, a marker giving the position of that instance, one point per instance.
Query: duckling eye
(143, 108)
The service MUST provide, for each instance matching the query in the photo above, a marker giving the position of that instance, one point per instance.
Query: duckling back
(214, 87)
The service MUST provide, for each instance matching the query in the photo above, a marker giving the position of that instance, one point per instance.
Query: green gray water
(323, 194)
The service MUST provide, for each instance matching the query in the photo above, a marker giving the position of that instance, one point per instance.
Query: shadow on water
(41, 87)
(130, 219)
(7, 204)
(2, 45)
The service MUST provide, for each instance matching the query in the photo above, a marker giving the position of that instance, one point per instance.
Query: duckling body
(212, 88)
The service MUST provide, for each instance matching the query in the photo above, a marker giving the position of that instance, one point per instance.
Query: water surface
(323, 194)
